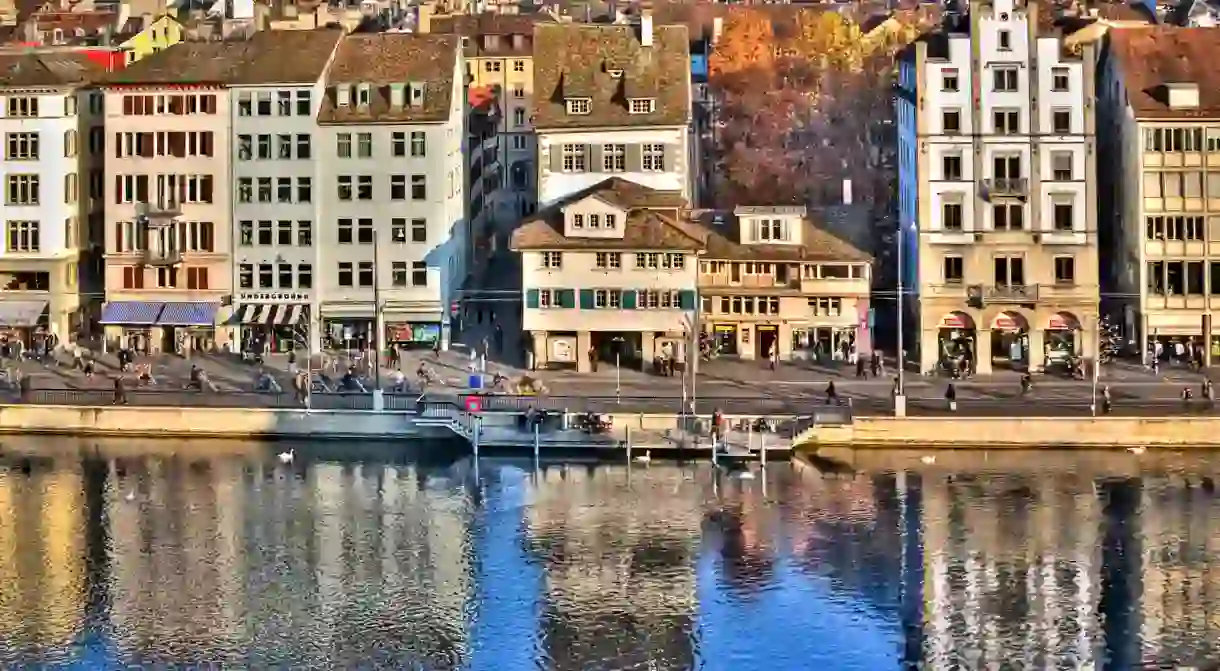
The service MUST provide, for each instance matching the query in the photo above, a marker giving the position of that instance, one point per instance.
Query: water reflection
(115, 557)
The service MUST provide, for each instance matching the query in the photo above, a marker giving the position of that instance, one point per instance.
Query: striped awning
(188, 314)
(135, 313)
(271, 315)
(22, 313)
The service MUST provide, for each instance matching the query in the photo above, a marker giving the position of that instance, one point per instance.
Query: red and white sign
(955, 320)
(474, 404)
(1005, 322)
(454, 307)
(1060, 322)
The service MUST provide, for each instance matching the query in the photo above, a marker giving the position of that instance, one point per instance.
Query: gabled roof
(64, 68)
(817, 244)
(651, 221)
(267, 57)
(585, 61)
(383, 59)
(1151, 58)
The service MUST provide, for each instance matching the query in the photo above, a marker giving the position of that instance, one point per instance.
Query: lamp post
(1096, 364)
(900, 399)
(618, 369)
(378, 398)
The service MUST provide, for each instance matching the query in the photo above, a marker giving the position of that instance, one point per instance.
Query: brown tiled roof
(651, 222)
(393, 58)
(1151, 58)
(1122, 11)
(817, 244)
(504, 30)
(573, 61)
(267, 57)
(47, 69)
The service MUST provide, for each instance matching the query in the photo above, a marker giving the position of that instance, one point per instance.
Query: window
(608, 260)
(264, 189)
(1173, 139)
(653, 300)
(304, 276)
(305, 233)
(304, 148)
(614, 158)
(245, 276)
(1059, 79)
(345, 187)
(1064, 213)
(419, 274)
(264, 147)
(552, 260)
(245, 233)
(953, 269)
(346, 274)
(578, 221)
(22, 237)
(23, 190)
(1065, 270)
(1008, 216)
(573, 157)
(264, 103)
(197, 278)
(673, 261)
(1004, 79)
(419, 187)
(1006, 167)
(284, 143)
(821, 307)
(22, 107)
(21, 146)
(398, 144)
(519, 116)
(283, 232)
(1004, 38)
(642, 105)
(346, 231)
(364, 231)
(951, 216)
(647, 260)
(1006, 122)
(245, 147)
(398, 187)
(245, 104)
(283, 189)
(518, 91)
(595, 221)
(951, 121)
(419, 144)
(1061, 121)
(343, 145)
(364, 145)
(399, 276)
(948, 80)
(245, 190)
(304, 106)
(71, 188)
(951, 167)
(607, 298)
(284, 102)
(304, 189)
(1009, 271)
(518, 66)
(579, 105)
(653, 157)
(364, 272)
(284, 271)
(1061, 166)
(1176, 227)
(419, 230)
(264, 232)
(133, 277)
(491, 66)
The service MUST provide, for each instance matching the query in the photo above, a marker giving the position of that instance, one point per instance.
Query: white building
(52, 143)
(611, 101)
(997, 190)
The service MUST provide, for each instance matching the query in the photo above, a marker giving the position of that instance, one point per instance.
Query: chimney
(397, 95)
(646, 28)
(717, 30)
(847, 192)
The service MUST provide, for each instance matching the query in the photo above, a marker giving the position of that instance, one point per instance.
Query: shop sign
(274, 297)
(954, 320)
(724, 328)
(562, 349)
(1060, 323)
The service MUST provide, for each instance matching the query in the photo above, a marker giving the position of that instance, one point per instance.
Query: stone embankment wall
(1017, 432)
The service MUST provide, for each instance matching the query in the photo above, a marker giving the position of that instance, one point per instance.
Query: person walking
(951, 397)
(832, 395)
(1207, 391)
(120, 391)
(1107, 404)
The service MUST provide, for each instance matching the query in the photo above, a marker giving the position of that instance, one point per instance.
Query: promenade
(732, 387)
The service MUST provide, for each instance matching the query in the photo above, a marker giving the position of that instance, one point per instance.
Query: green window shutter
(567, 298)
(686, 299)
(629, 299)
(531, 298)
(586, 299)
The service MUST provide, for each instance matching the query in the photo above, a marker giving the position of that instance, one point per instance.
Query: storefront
(1061, 344)
(823, 343)
(188, 327)
(347, 333)
(24, 321)
(276, 328)
(766, 341)
(1010, 341)
(956, 346)
(724, 340)
(130, 324)
(404, 335)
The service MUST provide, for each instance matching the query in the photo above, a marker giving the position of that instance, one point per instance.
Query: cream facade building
(609, 270)
(1162, 111)
(51, 121)
(998, 191)
(168, 205)
(774, 285)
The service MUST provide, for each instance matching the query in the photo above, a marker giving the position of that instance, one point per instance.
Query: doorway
(768, 341)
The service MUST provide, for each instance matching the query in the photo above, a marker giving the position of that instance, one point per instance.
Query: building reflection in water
(42, 586)
(618, 559)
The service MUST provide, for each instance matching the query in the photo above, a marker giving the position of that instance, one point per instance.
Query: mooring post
(628, 441)
(537, 445)
(477, 436)
(714, 441)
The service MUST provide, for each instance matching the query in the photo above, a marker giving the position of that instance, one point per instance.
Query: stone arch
(1022, 317)
(957, 319)
(1063, 321)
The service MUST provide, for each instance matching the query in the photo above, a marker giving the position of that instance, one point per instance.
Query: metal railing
(1006, 186)
(208, 399)
(1011, 293)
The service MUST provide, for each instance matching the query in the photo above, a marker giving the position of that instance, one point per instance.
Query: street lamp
(618, 368)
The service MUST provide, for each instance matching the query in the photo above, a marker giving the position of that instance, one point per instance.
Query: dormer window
(364, 95)
(1182, 96)
(578, 221)
(643, 105)
(580, 105)
(416, 91)
(398, 95)
(343, 95)
(770, 230)
(615, 73)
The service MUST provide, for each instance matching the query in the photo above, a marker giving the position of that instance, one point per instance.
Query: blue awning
(139, 313)
(189, 314)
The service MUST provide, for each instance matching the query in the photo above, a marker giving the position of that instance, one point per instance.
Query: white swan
(1137, 450)
(286, 457)
(927, 459)
(646, 458)
(746, 475)
(131, 496)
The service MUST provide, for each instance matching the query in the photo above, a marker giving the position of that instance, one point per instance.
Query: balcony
(158, 213)
(1010, 293)
(157, 257)
(1006, 187)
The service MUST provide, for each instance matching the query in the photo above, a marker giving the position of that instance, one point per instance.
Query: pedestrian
(292, 362)
(23, 386)
(951, 397)
(1187, 395)
(875, 364)
(1207, 391)
(772, 356)
(832, 395)
(499, 338)
(120, 391)
(717, 421)
(860, 368)
(1107, 404)
(1027, 384)
(593, 359)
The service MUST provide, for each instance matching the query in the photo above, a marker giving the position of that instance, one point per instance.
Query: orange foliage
(747, 44)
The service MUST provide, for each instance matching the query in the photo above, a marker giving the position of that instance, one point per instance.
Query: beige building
(774, 285)
(609, 270)
(167, 217)
(1161, 110)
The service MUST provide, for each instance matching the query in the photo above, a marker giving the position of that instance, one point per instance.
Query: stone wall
(1019, 432)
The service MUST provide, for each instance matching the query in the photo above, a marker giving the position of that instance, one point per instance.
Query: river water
(156, 556)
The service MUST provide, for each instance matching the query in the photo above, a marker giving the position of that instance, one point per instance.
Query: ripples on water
(146, 559)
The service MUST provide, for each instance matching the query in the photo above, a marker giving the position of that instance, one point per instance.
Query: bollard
(628, 444)
(537, 445)
(714, 461)
(565, 419)
(477, 435)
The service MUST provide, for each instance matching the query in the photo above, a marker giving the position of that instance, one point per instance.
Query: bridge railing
(208, 399)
